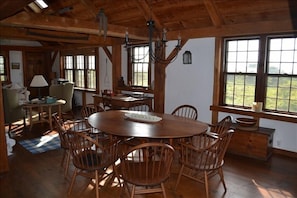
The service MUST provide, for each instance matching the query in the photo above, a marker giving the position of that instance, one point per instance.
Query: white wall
(16, 75)
(192, 83)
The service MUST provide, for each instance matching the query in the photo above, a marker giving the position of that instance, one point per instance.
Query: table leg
(50, 117)
(30, 117)
(60, 111)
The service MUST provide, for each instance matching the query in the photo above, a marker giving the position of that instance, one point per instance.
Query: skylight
(41, 4)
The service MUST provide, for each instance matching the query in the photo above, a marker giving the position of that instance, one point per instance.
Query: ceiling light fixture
(102, 18)
(156, 55)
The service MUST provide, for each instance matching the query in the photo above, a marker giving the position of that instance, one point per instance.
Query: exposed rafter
(55, 23)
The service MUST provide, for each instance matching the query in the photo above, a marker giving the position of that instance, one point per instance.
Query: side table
(41, 108)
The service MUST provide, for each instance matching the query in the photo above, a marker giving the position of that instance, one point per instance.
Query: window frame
(85, 68)
(131, 64)
(6, 67)
(261, 74)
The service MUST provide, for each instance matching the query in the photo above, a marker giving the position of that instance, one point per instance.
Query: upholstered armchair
(13, 110)
(63, 91)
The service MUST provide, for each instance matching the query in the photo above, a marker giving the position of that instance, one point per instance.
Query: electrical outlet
(278, 143)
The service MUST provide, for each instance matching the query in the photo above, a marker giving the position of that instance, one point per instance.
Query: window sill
(84, 89)
(257, 115)
(135, 89)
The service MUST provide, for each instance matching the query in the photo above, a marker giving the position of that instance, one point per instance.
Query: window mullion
(261, 72)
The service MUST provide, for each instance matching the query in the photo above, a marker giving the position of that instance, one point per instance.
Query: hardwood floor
(40, 175)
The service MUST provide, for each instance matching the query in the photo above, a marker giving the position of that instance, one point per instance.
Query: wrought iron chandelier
(156, 46)
(102, 19)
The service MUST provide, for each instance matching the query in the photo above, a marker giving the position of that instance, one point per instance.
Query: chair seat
(146, 167)
(145, 173)
(92, 159)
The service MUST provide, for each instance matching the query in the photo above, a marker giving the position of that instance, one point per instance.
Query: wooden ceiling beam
(148, 14)
(56, 23)
(235, 30)
(214, 14)
(53, 36)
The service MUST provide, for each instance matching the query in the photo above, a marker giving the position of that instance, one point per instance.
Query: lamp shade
(38, 81)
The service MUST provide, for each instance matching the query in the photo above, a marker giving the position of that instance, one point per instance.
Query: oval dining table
(119, 123)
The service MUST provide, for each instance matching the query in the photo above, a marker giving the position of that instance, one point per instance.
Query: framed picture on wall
(15, 65)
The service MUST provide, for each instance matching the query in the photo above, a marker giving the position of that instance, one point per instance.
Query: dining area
(139, 151)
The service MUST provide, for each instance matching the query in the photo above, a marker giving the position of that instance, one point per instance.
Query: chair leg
(63, 158)
(206, 184)
(179, 176)
(133, 191)
(163, 190)
(97, 184)
(67, 164)
(72, 181)
(222, 178)
(24, 120)
(9, 128)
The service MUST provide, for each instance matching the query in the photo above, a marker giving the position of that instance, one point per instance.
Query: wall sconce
(187, 57)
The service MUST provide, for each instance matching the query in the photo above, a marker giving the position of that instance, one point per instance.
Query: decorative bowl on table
(50, 100)
(246, 122)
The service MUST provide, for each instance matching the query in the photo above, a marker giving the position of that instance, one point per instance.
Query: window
(241, 68)
(139, 73)
(261, 69)
(281, 91)
(81, 69)
(4, 69)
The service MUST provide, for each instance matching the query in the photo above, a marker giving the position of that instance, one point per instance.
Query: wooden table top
(115, 122)
(38, 104)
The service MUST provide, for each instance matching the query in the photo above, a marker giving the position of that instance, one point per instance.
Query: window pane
(68, 62)
(242, 56)
(280, 94)
(69, 75)
(79, 78)
(140, 66)
(282, 80)
(2, 69)
(80, 62)
(241, 68)
(91, 79)
(91, 62)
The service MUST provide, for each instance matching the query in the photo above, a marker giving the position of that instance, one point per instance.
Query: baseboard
(284, 152)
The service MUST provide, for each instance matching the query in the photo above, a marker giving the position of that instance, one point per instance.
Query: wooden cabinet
(36, 62)
(256, 143)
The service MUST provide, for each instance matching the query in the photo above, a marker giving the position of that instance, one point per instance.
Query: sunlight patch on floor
(272, 192)
(45, 139)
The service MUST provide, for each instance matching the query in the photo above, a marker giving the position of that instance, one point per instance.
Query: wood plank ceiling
(74, 22)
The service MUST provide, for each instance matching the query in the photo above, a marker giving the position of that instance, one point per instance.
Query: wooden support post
(4, 166)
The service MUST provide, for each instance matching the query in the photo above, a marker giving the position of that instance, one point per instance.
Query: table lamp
(38, 81)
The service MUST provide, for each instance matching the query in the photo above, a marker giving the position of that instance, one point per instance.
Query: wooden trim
(284, 153)
(257, 115)
(116, 65)
(216, 77)
(4, 166)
